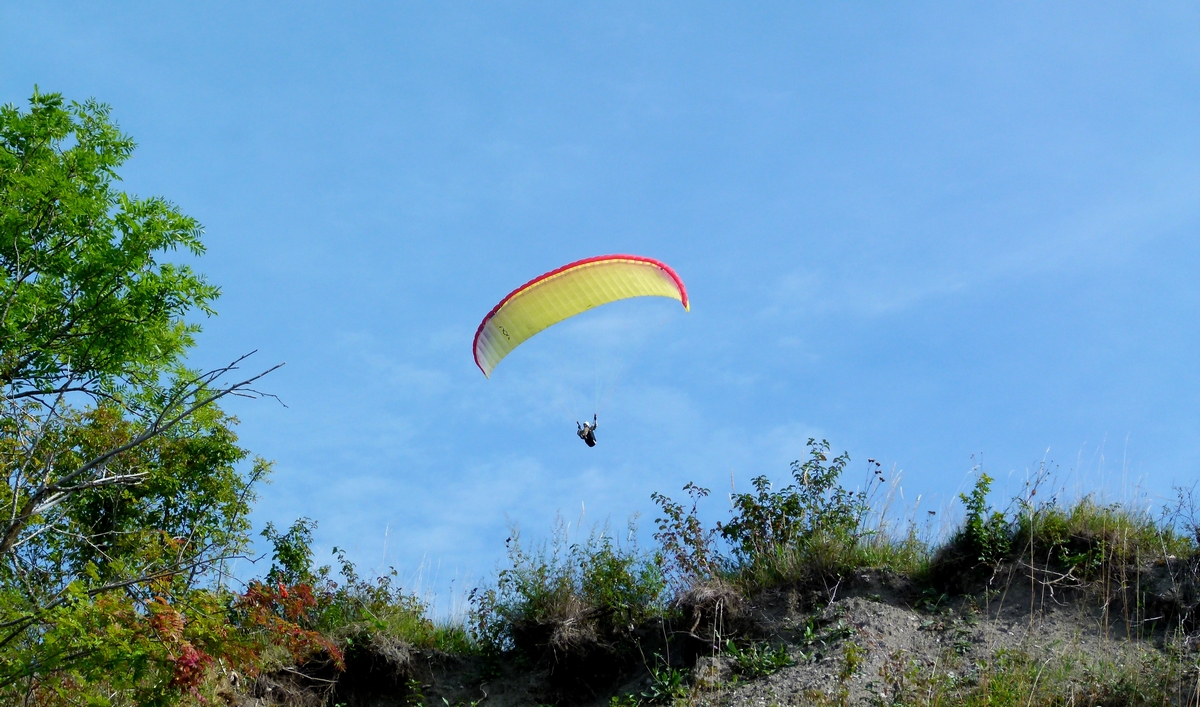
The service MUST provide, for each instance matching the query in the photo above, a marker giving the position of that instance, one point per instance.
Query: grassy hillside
(806, 594)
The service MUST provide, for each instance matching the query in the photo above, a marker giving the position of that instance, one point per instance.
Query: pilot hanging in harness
(587, 432)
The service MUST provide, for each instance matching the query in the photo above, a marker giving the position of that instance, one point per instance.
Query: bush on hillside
(560, 597)
(688, 548)
(812, 531)
(1089, 539)
(980, 544)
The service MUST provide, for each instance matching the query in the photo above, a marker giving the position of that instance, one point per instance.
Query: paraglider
(561, 294)
(587, 432)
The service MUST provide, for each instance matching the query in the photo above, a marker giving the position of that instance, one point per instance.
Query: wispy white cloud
(1096, 235)
(393, 370)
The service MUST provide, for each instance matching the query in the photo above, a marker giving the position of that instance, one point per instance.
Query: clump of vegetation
(668, 684)
(1082, 545)
(360, 611)
(563, 597)
(317, 631)
(1017, 677)
(579, 609)
(982, 541)
(812, 531)
(758, 659)
(688, 548)
(986, 535)
(1090, 540)
(356, 611)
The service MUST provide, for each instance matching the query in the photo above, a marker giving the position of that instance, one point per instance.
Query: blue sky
(923, 231)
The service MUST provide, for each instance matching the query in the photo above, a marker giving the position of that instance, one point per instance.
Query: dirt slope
(881, 640)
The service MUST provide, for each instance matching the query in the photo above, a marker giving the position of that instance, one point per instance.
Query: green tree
(123, 489)
(84, 304)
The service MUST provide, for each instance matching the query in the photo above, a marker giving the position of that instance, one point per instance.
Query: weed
(811, 632)
(852, 659)
(931, 600)
(414, 692)
(839, 631)
(667, 685)
(758, 660)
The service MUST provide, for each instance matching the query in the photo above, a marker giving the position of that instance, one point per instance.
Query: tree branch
(164, 422)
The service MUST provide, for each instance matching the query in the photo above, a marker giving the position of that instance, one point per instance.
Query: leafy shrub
(686, 544)
(564, 596)
(983, 541)
(285, 616)
(811, 528)
(814, 505)
(986, 534)
(291, 553)
(286, 608)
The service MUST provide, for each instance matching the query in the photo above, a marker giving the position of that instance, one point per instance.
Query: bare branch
(64, 493)
(166, 420)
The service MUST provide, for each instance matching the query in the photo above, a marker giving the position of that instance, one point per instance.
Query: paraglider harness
(587, 432)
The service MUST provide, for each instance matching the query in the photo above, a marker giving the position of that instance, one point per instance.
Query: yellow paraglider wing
(561, 294)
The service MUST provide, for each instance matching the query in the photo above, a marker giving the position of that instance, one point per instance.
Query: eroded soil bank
(875, 639)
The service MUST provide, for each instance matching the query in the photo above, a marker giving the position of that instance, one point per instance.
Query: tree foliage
(84, 303)
(123, 489)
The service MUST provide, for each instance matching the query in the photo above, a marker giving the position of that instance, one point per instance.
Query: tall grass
(1091, 539)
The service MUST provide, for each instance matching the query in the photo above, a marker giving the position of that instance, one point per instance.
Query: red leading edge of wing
(595, 259)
